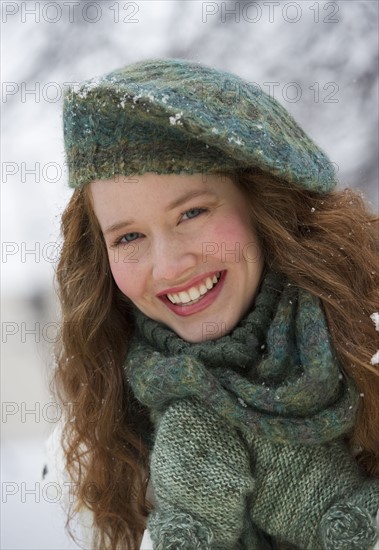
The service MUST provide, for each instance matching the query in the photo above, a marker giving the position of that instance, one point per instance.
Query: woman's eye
(129, 237)
(193, 212)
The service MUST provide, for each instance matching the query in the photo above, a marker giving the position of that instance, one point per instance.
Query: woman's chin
(198, 331)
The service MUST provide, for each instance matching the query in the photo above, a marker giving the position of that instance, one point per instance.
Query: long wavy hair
(327, 244)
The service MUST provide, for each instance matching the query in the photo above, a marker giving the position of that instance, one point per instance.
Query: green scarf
(275, 373)
(262, 409)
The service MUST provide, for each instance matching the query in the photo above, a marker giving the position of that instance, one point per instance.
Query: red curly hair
(327, 244)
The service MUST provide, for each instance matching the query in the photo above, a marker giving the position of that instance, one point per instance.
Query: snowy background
(319, 59)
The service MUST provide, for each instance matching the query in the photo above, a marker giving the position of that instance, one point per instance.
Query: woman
(216, 294)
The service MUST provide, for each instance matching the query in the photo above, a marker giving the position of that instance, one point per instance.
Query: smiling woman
(217, 296)
(175, 274)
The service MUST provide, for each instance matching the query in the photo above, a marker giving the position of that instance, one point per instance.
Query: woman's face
(181, 248)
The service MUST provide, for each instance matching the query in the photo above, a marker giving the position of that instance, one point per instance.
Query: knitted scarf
(248, 432)
(275, 374)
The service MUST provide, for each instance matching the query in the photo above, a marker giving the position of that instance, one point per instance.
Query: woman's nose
(171, 259)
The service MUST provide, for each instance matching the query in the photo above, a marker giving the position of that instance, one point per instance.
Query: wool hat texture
(179, 116)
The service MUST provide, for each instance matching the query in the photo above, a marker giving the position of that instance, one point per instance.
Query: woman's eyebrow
(174, 204)
(116, 226)
(190, 195)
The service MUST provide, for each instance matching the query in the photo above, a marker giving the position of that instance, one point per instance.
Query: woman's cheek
(125, 253)
(126, 274)
(231, 241)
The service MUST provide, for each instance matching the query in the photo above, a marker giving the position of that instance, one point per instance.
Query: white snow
(136, 98)
(147, 543)
(175, 120)
(375, 319)
(233, 139)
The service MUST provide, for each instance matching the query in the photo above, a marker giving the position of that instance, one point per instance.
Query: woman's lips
(208, 299)
(195, 281)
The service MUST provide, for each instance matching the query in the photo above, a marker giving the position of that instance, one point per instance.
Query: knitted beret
(174, 115)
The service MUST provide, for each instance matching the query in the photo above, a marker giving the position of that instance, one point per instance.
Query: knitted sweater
(248, 445)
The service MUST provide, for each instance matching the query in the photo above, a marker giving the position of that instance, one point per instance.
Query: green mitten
(314, 497)
(218, 488)
(200, 473)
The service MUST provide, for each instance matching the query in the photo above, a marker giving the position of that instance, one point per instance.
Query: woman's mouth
(195, 293)
(196, 298)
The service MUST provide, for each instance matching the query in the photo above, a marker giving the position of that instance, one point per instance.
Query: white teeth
(194, 294)
(174, 298)
(209, 283)
(203, 289)
(184, 297)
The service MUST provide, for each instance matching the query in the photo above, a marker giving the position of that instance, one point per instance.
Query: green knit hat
(174, 115)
